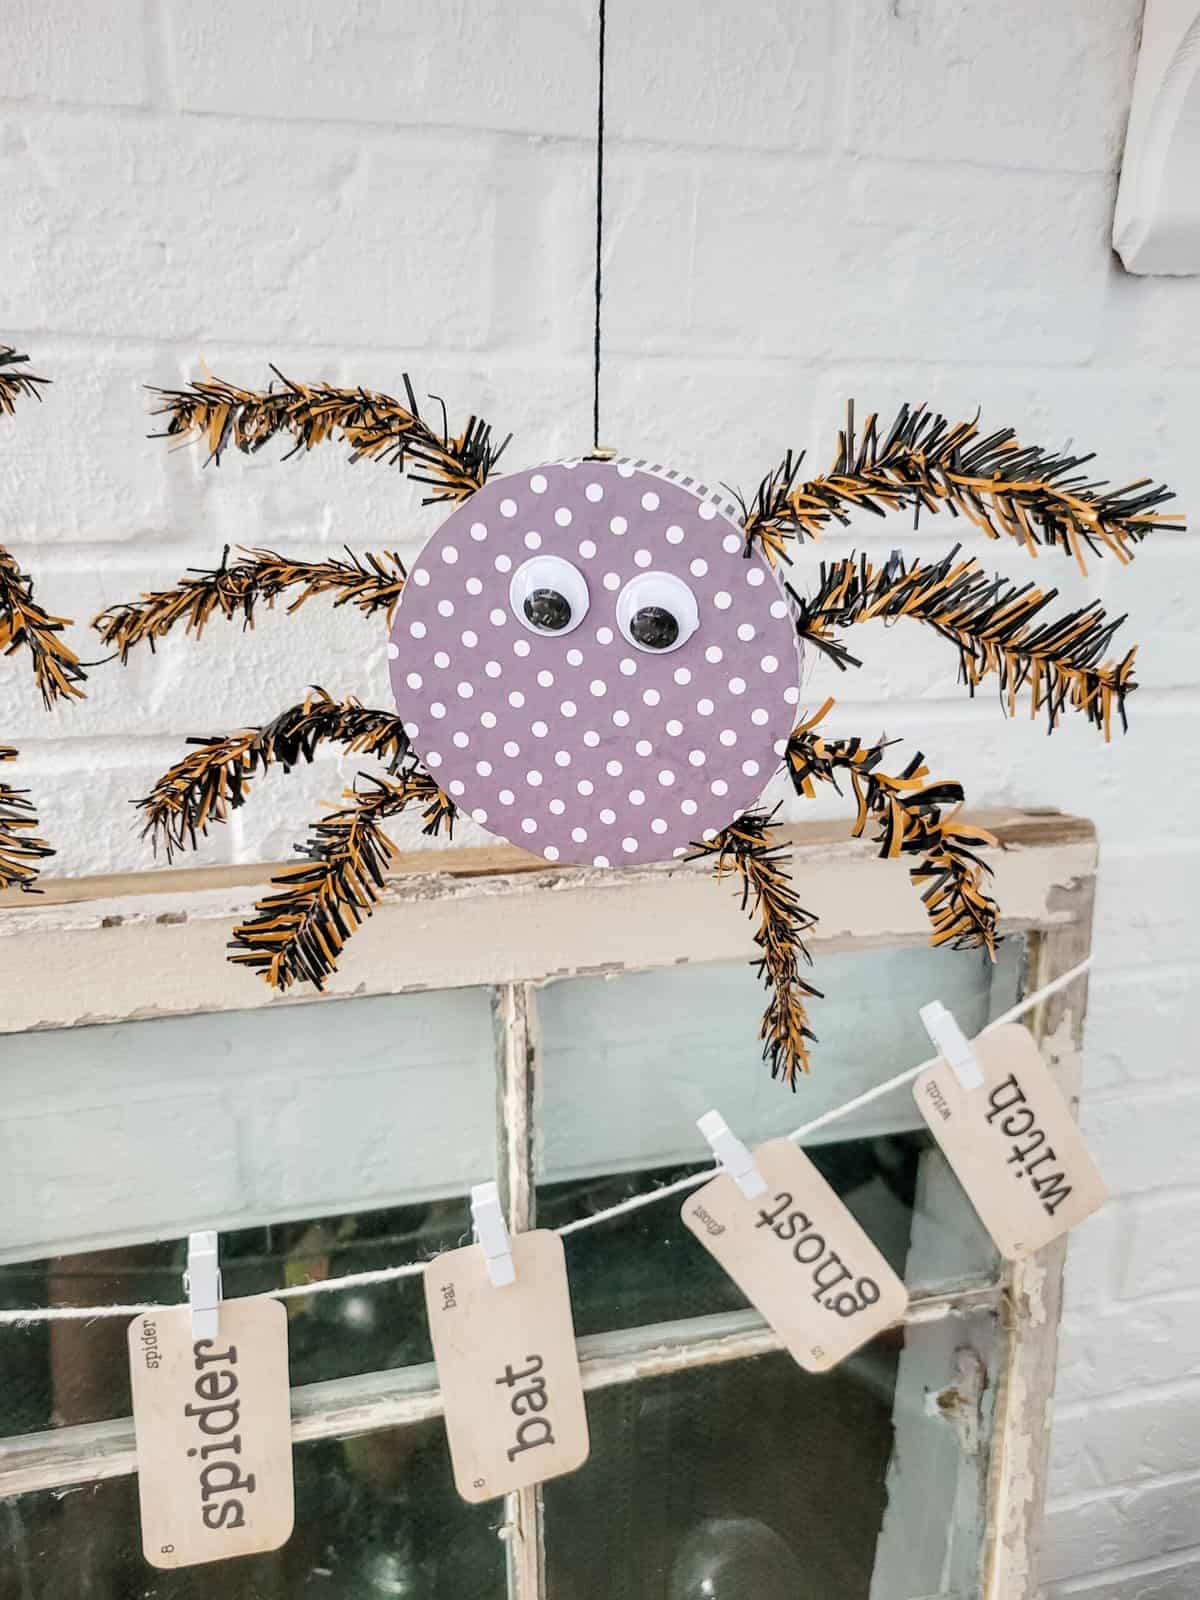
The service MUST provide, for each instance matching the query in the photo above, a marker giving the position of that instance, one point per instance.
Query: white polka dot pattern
(582, 744)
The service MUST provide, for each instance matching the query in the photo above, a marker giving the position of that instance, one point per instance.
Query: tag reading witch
(507, 1367)
(799, 1257)
(1013, 1144)
(214, 1434)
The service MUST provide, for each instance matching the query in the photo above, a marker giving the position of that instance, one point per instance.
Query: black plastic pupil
(654, 627)
(548, 609)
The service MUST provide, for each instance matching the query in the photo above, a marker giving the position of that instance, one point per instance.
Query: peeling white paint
(1033, 1285)
(125, 955)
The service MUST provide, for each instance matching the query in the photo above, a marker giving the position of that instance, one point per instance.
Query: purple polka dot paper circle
(578, 741)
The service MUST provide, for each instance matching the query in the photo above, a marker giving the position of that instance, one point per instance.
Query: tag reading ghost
(799, 1257)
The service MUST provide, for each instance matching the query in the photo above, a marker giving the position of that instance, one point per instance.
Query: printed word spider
(56, 668)
(599, 660)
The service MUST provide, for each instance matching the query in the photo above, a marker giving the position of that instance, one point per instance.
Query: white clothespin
(202, 1284)
(952, 1044)
(732, 1154)
(491, 1232)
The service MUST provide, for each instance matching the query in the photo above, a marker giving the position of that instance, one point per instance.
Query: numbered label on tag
(214, 1433)
(1013, 1144)
(799, 1257)
(507, 1367)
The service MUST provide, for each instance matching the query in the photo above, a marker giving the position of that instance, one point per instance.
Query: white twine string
(411, 1269)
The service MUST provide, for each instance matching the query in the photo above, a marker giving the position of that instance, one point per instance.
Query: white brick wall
(884, 198)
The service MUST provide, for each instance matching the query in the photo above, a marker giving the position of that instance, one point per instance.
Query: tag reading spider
(600, 661)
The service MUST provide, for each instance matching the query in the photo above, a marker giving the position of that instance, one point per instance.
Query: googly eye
(657, 612)
(548, 595)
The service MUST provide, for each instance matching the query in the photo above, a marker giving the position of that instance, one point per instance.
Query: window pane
(125, 1132)
(629, 1063)
(756, 1479)
(68, 1372)
(321, 1139)
(376, 1517)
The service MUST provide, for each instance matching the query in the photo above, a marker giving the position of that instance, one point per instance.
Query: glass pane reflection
(630, 1061)
(757, 1481)
(377, 1518)
(72, 1372)
(644, 1267)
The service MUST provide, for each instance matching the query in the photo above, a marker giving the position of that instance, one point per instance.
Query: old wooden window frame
(151, 944)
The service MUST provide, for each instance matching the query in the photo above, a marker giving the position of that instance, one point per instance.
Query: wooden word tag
(507, 1366)
(799, 1257)
(1013, 1144)
(214, 1433)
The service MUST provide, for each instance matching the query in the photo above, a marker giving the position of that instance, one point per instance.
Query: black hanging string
(599, 232)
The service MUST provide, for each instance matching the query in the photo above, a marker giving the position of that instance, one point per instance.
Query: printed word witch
(1021, 1125)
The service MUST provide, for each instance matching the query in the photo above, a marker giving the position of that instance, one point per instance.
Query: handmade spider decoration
(57, 671)
(600, 660)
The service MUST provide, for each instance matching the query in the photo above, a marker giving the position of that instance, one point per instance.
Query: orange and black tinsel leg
(747, 847)
(22, 850)
(912, 817)
(299, 932)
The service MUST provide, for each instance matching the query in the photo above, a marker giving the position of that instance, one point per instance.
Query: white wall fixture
(1156, 229)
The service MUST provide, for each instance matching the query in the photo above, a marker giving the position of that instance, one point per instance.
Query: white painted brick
(1139, 1029)
(79, 466)
(1134, 1436)
(1147, 317)
(1114, 1347)
(1044, 87)
(169, 228)
(1157, 1580)
(1158, 591)
(59, 50)
(1094, 1255)
(723, 426)
(1145, 901)
(529, 67)
(757, 77)
(1163, 1152)
(1120, 1527)
(755, 74)
(708, 255)
(1161, 1257)
(1002, 241)
(650, 226)
(760, 279)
